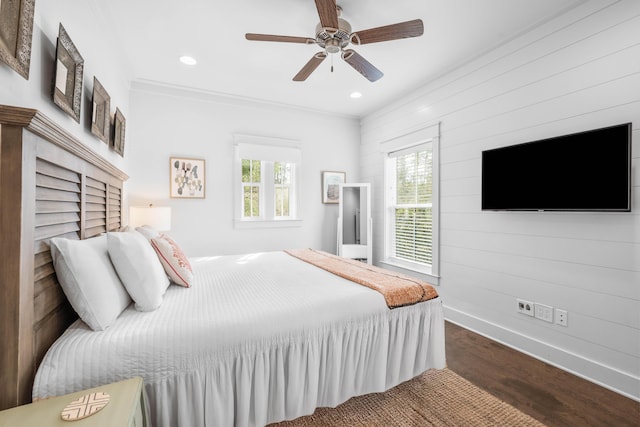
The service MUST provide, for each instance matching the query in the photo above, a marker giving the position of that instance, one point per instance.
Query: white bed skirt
(287, 379)
(257, 339)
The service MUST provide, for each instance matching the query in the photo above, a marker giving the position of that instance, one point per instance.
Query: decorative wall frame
(119, 131)
(101, 112)
(331, 185)
(67, 87)
(187, 178)
(16, 20)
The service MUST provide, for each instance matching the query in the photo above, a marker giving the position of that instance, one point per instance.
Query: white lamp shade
(158, 217)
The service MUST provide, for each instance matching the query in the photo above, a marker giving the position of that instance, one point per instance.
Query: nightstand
(127, 407)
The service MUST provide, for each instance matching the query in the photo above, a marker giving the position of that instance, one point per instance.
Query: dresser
(127, 407)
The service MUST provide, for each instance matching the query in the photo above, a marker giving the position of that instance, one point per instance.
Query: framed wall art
(119, 131)
(331, 185)
(101, 112)
(187, 178)
(69, 67)
(16, 22)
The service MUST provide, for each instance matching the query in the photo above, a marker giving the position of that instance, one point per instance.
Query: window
(268, 177)
(251, 183)
(282, 174)
(411, 208)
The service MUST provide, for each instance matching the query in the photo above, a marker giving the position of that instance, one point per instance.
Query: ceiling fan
(333, 34)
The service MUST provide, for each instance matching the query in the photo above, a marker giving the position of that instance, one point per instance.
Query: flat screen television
(586, 171)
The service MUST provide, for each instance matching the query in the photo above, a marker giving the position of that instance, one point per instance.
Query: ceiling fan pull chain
(332, 63)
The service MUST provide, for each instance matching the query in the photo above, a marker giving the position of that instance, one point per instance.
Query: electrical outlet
(525, 307)
(562, 317)
(544, 312)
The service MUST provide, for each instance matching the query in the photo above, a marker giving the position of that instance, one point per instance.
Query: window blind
(412, 211)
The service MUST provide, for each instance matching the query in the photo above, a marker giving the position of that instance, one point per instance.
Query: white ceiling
(154, 33)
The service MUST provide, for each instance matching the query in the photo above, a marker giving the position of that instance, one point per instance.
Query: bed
(258, 338)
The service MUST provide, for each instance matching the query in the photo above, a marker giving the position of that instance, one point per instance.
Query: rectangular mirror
(354, 221)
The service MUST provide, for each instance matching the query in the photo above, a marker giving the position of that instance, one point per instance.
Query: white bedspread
(257, 339)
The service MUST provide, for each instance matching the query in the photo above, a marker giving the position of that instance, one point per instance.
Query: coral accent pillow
(174, 261)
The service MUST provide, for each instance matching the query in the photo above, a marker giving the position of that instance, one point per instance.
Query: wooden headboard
(51, 185)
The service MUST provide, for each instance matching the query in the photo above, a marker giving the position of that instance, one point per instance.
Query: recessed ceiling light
(355, 95)
(188, 60)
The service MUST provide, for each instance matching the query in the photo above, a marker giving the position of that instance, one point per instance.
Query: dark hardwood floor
(548, 394)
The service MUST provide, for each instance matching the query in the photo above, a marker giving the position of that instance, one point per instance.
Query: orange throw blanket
(398, 289)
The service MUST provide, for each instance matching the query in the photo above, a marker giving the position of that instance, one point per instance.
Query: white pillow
(89, 280)
(139, 269)
(148, 232)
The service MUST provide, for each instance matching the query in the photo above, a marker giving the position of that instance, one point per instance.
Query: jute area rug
(436, 398)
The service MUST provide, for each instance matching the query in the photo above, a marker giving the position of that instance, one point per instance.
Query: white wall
(578, 72)
(172, 122)
(86, 27)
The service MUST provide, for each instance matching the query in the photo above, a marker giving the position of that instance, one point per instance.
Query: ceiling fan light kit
(334, 34)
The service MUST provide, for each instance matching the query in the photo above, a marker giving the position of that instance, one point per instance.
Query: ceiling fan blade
(274, 38)
(310, 67)
(401, 30)
(328, 13)
(361, 65)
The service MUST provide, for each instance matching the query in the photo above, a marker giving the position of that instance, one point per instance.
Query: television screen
(586, 171)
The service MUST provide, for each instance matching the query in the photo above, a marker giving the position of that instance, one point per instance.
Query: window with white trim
(268, 176)
(411, 208)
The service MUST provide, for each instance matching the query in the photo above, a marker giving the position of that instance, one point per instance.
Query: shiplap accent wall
(576, 72)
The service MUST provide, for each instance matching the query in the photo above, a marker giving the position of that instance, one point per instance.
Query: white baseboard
(605, 376)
